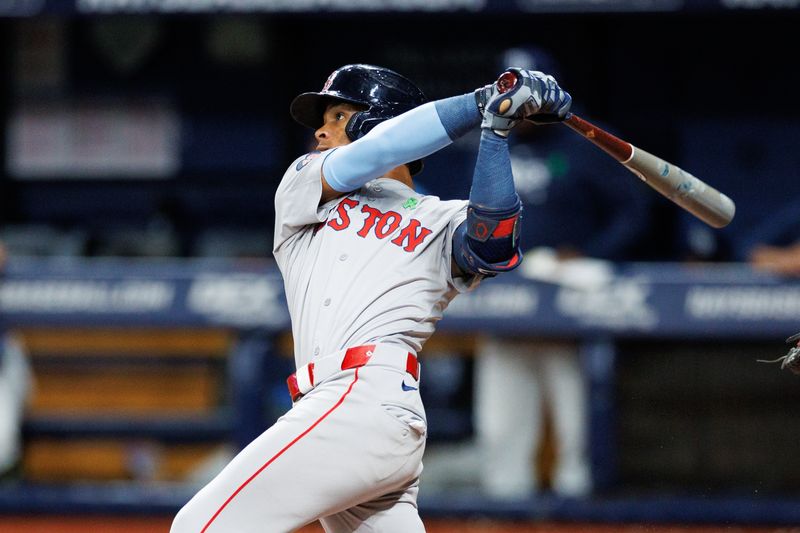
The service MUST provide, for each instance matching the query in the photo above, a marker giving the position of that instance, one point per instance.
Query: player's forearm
(488, 243)
(407, 137)
(493, 181)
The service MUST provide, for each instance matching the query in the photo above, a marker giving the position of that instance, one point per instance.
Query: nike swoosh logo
(407, 388)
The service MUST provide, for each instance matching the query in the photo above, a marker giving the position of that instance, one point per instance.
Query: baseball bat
(692, 194)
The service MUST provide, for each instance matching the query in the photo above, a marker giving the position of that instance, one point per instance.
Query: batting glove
(520, 94)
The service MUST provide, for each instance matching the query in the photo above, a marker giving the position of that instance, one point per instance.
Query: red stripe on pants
(274, 457)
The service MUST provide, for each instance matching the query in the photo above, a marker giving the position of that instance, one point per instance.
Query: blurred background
(145, 335)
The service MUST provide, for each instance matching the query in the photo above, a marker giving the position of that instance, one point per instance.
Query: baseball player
(369, 266)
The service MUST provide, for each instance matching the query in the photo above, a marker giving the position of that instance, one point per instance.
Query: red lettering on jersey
(372, 216)
(413, 234)
(388, 222)
(343, 219)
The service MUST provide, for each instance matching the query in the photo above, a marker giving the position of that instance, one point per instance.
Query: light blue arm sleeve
(402, 139)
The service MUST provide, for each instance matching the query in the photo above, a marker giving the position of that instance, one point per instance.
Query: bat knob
(506, 82)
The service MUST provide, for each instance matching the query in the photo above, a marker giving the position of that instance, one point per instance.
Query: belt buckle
(303, 381)
(357, 356)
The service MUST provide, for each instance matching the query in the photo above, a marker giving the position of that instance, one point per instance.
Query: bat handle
(612, 145)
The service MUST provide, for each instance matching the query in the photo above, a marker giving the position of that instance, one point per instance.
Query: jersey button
(343, 257)
(327, 302)
(316, 350)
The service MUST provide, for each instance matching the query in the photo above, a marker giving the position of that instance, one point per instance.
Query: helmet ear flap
(353, 127)
(362, 122)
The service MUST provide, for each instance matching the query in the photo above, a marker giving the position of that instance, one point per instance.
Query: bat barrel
(685, 190)
(702, 200)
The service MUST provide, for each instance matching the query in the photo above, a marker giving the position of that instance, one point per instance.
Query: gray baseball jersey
(374, 266)
(369, 273)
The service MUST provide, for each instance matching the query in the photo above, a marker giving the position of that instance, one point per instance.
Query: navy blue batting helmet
(382, 92)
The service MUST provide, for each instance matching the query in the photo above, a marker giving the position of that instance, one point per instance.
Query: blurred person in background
(572, 217)
(571, 214)
(774, 246)
(784, 260)
(15, 388)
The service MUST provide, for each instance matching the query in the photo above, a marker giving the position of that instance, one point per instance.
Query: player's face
(332, 134)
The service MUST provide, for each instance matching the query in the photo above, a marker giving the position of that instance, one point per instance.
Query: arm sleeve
(407, 137)
(493, 181)
(489, 242)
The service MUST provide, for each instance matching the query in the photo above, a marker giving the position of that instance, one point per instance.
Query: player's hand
(519, 94)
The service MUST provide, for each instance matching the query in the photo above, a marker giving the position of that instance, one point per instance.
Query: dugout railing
(655, 305)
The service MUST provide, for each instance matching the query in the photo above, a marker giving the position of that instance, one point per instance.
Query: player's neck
(402, 175)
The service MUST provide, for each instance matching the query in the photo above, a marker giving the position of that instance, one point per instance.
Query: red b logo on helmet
(328, 82)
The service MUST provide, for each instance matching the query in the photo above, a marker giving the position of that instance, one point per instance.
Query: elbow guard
(488, 243)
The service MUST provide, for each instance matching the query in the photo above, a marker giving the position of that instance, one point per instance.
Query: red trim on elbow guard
(505, 227)
(513, 261)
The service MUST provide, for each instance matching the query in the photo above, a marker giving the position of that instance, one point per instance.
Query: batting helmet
(383, 92)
